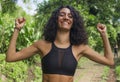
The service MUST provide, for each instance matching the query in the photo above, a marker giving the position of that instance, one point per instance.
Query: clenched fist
(101, 28)
(19, 23)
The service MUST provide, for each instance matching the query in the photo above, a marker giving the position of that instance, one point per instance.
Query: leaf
(1, 22)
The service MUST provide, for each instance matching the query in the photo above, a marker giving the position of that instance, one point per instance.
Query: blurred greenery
(20, 71)
(117, 68)
(93, 12)
(117, 71)
(105, 74)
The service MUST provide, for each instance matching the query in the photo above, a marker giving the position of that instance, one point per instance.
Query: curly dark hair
(78, 34)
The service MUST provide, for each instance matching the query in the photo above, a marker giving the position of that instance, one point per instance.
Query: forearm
(12, 46)
(107, 48)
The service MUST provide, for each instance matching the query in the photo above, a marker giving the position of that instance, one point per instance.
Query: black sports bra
(59, 61)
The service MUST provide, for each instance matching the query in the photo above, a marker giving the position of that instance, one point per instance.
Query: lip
(65, 22)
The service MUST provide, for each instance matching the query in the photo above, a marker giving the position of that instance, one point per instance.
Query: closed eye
(63, 14)
(70, 16)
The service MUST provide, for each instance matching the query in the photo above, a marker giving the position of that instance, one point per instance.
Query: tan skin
(65, 22)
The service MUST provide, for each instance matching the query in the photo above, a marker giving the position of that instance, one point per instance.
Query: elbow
(112, 63)
(10, 57)
(8, 60)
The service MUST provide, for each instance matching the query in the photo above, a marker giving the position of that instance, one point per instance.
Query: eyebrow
(64, 12)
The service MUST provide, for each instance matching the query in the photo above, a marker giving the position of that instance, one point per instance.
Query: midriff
(57, 78)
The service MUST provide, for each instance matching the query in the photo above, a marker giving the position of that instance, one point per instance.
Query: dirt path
(89, 72)
(112, 76)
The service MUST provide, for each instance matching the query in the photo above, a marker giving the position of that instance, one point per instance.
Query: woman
(64, 43)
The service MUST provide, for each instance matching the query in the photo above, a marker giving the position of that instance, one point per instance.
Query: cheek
(58, 22)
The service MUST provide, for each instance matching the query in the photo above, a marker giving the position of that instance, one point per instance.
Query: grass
(105, 74)
(18, 71)
(117, 68)
(81, 62)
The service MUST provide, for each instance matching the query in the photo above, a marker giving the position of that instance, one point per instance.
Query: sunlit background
(37, 13)
(29, 7)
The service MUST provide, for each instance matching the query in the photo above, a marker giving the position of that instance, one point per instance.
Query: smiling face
(65, 19)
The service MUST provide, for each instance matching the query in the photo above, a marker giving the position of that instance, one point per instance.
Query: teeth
(65, 23)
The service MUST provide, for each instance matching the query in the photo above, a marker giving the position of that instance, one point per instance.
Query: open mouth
(65, 22)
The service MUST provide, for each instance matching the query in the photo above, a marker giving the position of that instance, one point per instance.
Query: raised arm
(107, 59)
(11, 54)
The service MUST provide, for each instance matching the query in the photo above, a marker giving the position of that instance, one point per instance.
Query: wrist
(18, 29)
(103, 33)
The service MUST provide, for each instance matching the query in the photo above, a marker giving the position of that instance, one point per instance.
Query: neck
(62, 37)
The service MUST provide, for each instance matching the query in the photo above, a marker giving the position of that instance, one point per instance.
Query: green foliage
(93, 11)
(8, 6)
(27, 35)
(38, 73)
(18, 71)
(105, 73)
(117, 71)
(118, 39)
(5, 31)
(94, 38)
(33, 29)
(117, 61)
(33, 60)
(14, 71)
(117, 68)
(112, 35)
(81, 62)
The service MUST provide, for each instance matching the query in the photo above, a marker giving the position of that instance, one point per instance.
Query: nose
(66, 17)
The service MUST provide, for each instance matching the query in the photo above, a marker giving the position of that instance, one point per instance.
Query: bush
(117, 71)
(18, 71)
(117, 68)
(105, 73)
(38, 73)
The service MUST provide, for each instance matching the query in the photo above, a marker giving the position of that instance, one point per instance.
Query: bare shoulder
(42, 43)
(43, 46)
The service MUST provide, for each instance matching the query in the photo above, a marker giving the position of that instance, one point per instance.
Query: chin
(65, 29)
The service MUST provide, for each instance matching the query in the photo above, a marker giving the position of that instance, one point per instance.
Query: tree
(7, 19)
(93, 11)
(8, 6)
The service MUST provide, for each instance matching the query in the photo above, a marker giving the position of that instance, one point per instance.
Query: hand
(19, 23)
(101, 28)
